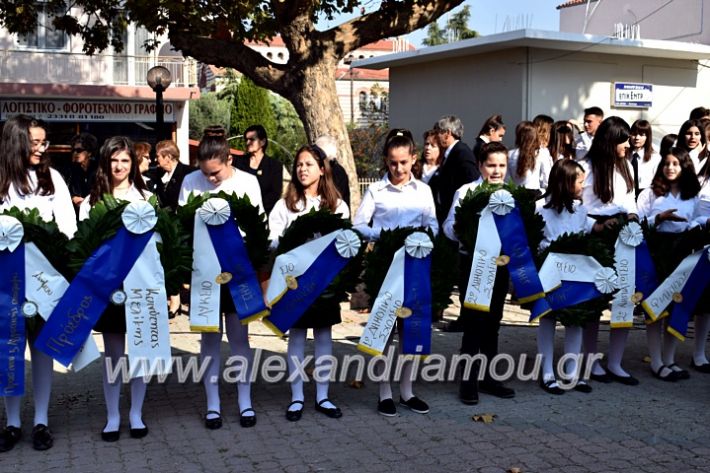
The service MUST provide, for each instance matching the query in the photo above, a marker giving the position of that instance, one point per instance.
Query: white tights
(114, 349)
(42, 368)
(323, 363)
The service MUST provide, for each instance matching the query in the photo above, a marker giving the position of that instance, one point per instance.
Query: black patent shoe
(294, 416)
(213, 424)
(9, 437)
(42, 438)
(247, 421)
(332, 412)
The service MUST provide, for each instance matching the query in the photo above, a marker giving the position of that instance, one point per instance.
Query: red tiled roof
(381, 45)
(343, 73)
(572, 3)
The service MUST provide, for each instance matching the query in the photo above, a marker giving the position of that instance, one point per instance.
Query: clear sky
(493, 16)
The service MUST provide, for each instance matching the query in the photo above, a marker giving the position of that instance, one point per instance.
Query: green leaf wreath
(105, 220)
(669, 249)
(317, 223)
(469, 212)
(443, 264)
(588, 245)
(250, 220)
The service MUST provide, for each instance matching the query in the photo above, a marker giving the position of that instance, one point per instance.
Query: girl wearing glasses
(27, 182)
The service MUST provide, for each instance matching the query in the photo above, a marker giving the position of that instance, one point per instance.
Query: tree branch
(241, 57)
(392, 19)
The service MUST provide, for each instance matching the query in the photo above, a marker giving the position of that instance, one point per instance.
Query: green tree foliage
(208, 110)
(456, 29)
(289, 133)
(251, 107)
(367, 149)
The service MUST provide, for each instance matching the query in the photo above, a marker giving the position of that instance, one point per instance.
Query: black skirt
(324, 312)
(113, 320)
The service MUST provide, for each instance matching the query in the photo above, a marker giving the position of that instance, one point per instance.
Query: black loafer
(415, 405)
(583, 387)
(294, 416)
(332, 412)
(670, 375)
(601, 378)
(704, 368)
(387, 408)
(139, 433)
(679, 372)
(215, 423)
(9, 437)
(626, 380)
(468, 393)
(495, 388)
(550, 386)
(247, 421)
(111, 436)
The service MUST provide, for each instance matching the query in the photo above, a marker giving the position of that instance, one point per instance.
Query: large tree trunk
(315, 99)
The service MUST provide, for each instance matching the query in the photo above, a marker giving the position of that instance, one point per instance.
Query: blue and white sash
(302, 274)
(405, 293)
(636, 274)
(501, 229)
(220, 257)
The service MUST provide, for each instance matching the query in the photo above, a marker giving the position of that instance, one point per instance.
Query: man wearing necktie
(635, 166)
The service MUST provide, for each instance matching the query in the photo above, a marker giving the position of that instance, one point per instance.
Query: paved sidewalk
(654, 427)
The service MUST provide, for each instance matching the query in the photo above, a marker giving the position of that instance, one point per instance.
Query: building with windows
(45, 74)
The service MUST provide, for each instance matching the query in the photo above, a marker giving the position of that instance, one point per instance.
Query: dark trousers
(480, 329)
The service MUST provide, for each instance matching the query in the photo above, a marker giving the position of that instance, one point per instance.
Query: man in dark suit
(458, 168)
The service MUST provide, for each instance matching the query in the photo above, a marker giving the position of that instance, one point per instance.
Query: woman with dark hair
(609, 194)
(82, 171)
(493, 130)
(27, 182)
(671, 205)
(432, 155)
(216, 174)
(311, 187)
(399, 200)
(529, 163)
(644, 159)
(691, 138)
(562, 141)
(268, 171)
(118, 174)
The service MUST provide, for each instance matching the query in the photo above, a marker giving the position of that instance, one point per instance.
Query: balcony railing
(70, 68)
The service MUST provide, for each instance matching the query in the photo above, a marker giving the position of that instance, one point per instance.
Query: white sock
(135, 415)
(653, 337)
(324, 364)
(209, 347)
(670, 343)
(617, 344)
(702, 328)
(573, 345)
(385, 387)
(546, 345)
(238, 336)
(42, 369)
(13, 405)
(114, 346)
(296, 352)
(590, 334)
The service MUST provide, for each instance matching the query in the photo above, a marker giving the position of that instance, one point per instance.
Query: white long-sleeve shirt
(57, 206)
(448, 226)
(240, 183)
(647, 169)
(281, 217)
(623, 201)
(131, 195)
(535, 178)
(386, 206)
(559, 223)
(650, 205)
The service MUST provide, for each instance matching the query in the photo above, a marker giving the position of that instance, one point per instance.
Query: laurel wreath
(443, 264)
(316, 223)
(249, 218)
(587, 245)
(104, 222)
(469, 212)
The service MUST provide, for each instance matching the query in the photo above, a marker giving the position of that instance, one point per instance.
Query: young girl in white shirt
(671, 205)
(609, 194)
(118, 174)
(647, 158)
(216, 174)
(398, 200)
(311, 187)
(563, 213)
(529, 163)
(691, 138)
(27, 182)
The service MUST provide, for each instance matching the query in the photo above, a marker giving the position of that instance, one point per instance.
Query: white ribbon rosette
(139, 217)
(11, 233)
(418, 245)
(347, 243)
(501, 202)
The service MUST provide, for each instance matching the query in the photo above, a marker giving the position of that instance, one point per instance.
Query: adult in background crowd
(82, 170)
(699, 113)
(458, 167)
(340, 177)
(268, 171)
(168, 187)
(143, 149)
(493, 130)
(432, 155)
(593, 116)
